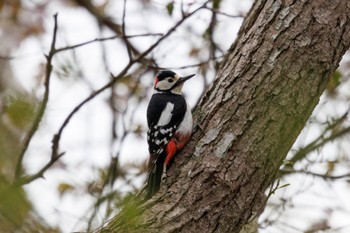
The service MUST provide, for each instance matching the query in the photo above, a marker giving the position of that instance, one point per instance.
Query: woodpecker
(169, 120)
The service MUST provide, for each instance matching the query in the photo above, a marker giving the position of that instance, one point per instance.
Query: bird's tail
(154, 177)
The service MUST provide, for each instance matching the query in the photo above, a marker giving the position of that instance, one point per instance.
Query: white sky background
(87, 139)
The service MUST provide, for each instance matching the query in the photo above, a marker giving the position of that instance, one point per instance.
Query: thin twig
(187, 66)
(40, 174)
(107, 21)
(314, 146)
(104, 39)
(39, 53)
(7, 57)
(223, 13)
(324, 176)
(127, 43)
(43, 104)
(113, 166)
(321, 140)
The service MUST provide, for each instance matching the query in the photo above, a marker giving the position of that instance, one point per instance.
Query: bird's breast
(185, 128)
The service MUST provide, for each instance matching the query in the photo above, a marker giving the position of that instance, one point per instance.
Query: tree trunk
(267, 87)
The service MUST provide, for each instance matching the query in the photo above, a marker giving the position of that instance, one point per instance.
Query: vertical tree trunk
(266, 89)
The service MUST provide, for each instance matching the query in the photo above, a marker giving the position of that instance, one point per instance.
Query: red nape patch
(155, 82)
(171, 150)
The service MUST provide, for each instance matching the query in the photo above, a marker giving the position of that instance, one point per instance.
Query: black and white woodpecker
(169, 121)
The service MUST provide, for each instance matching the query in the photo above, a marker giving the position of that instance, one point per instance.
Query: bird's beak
(184, 79)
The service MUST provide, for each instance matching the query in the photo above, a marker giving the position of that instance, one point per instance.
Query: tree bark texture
(267, 87)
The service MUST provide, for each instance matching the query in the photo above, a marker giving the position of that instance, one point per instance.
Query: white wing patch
(166, 115)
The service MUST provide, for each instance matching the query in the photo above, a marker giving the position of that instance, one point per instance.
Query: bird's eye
(170, 80)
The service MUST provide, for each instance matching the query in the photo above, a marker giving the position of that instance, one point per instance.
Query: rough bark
(266, 89)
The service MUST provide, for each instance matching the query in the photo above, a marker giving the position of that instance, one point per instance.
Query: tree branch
(216, 11)
(321, 140)
(40, 174)
(105, 39)
(123, 31)
(324, 176)
(43, 104)
(187, 66)
(107, 21)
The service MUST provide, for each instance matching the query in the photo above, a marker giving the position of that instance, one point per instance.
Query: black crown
(165, 74)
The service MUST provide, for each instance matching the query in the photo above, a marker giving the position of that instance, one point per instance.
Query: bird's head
(168, 81)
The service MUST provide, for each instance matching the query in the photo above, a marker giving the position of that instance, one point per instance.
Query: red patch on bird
(176, 144)
(155, 83)
(171, 149)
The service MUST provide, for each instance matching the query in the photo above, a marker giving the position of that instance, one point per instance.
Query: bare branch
(187, 66)
(40, 174)
(104, 39)
(225, 14)
(324, 176)
(321, 141)
(107, 21)
(43, 104)
(7, 57)
(124, 33)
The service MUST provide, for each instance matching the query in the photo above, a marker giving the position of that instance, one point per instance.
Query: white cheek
(163, 85)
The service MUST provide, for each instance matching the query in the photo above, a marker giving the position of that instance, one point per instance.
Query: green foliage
(216, 4)
(287, 162)
(21, 112)
(14, 207)
(64, 188)
(170, 8)
(128, 220)
(277, 186)
(130, 211)
(334, 82)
